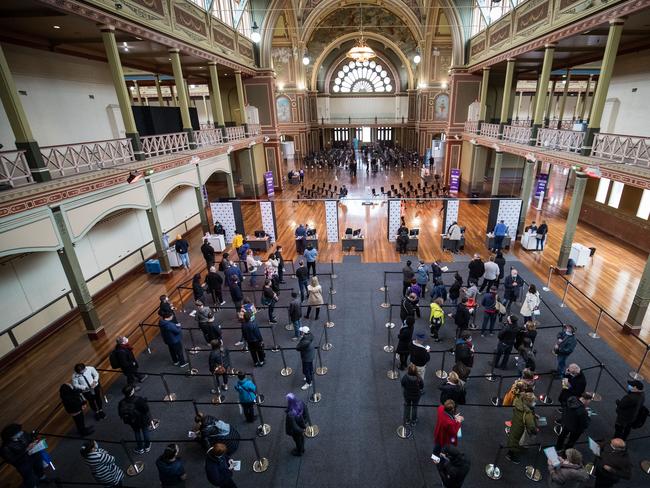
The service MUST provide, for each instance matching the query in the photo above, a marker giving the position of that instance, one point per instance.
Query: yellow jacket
(437, 313)
(237, 241)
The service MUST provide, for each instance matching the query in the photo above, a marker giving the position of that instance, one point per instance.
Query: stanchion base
(135, 469)
(490, 377)
(547, 400)
(263, 430)
(194, 350)
(315, 398)
(331, 306)
(382, 288)
(332, 291)
(385, 305)
(392, 374)
(329, 324)
(593, 335)
(333, 276)
(636, 376)
(260, 398)
(217, 399)
(389, 325)
(546, 288)
(495, 401)
(645, 466)
(288, 327)
(533, 474)
(155, 423)
(403, 432)
(286, 371)
(193, 371)
(389, 348)
(327, 346)
(275, 349)
(322, 371)
(557, 429)
(562, 305)
(261, 465)
(170, 398)
(493, 471)
(441, 374)
(597, 397)
(312, 431)
(589, 468)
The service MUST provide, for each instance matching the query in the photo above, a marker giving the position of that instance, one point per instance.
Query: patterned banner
(509, 210)
(224, 213)
(268, 219)
(394, 214)
(332, 220)
(451, 213)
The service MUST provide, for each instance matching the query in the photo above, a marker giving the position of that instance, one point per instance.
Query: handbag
(501, 308)
(219, 370)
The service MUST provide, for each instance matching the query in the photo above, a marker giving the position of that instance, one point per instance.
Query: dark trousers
(405, 286)
(539, 244)
(622, 431)
(573, 438)
(503, 351)
(498, 242)
(80, 423)
(217, 296)
(257, 352)
(132, 375)
(176, 352)
(434, 331)
(488, 319)
(487, 284)
(217, 381)
(410, 411)
(31, 470)
(308, 371)
(299, 439)
(309, 311)
(311, 265)
(303, 289)
(403, 360)
(271, 308)
(249, 411)
(94, 398)
(141, 437)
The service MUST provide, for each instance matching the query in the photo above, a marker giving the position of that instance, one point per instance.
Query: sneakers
(148, 448)
(273, 321)
(294, 339)
(261, 363)
(144, 377)
(305, 386)
(214, 391)
(177, 363)
(185, 364)
(139, 451)
(225, 387)
(239, 343)
(223, 302)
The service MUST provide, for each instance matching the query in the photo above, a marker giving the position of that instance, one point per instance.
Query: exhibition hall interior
(324, 243)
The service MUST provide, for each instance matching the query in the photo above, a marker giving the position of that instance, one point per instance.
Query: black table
(447, 244)
(259, 243)
(356, 242)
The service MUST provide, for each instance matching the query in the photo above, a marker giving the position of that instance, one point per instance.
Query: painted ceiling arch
(326, 86)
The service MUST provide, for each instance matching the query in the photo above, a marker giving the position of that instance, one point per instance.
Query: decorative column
(138, 95)
(159, 90)
(507, 92)
(215, 96)
(205, 225)
(526, 190)
(639, 307)
(549, 108)
(496, 176)
(19, 124)
(600, 96)
(484, 90)
(542, 87)
(73, 273)
(565, 92)
(241, 100)
(182, 95)
(115, 67)
(572, 219)
(519, 98)
(156, 229)
(230, 181)
(591, 103)
(583, 107)
(172, 92)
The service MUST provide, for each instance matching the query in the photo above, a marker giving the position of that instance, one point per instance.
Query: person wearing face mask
(507, 337)
(513, 285)
(523, 422)
(628, 408)
(574, 384)
(612, 465)
(565, 345)
(122, 358)
(575, 420)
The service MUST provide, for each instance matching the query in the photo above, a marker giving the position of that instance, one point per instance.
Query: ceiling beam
(30, 13)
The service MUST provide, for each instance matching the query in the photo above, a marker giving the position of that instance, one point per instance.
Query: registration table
(447, 243)
(348, 243)
(412, 244)
(217, 242)
(489, 241)
(259, 243)
(313, 240)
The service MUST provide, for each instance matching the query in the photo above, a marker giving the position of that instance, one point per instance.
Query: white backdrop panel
(332, 220)
(451, 215)
(223, 212)
(509, 211)
(268, 220)
(394, 214)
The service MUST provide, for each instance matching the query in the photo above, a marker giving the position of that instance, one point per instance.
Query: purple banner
(454, 181)
(268, 181)
(540, 185)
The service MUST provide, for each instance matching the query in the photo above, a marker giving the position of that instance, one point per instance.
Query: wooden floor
(30, 389)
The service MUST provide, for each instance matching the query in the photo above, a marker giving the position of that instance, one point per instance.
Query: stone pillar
(591, 103)
(572, 219)
(542, 87)
(215, 96)
(526, 190)
(567, 80)
(583, 107)
(484, 90)
(183, 102)
(156, 229)
(519, 98)
(496, 176)
(231, 185)
(639, 307)
(159, 90)
(73, 273)
(138, 95)
(172, 92)
(117, 74)
(19, 124)
(549, 108)
(241, 99)
(198, 191)
(507, 91)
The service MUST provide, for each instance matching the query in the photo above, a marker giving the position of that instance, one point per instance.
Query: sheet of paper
(593, 445)
(552, 456)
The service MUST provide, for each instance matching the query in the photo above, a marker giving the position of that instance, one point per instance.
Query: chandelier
(361, 52)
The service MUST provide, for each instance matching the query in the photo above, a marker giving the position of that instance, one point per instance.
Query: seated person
(209, 430)
(218, 228)
(343, 192)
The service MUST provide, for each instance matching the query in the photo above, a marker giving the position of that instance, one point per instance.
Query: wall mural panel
(282, 58)
(441, 107)
(283, 109)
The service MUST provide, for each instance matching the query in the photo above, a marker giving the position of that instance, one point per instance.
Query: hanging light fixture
(256, 37)
(361, 51)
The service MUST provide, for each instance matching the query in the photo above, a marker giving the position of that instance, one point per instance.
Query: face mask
(568, 332)
(514, 275)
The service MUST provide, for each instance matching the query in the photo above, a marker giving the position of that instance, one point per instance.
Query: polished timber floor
(360, 408)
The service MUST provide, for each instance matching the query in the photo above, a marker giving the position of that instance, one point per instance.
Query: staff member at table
(301, 237)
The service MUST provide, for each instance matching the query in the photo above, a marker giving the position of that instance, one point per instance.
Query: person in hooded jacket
(453, 389)
(307, 354)
(570, 473)
(439, 290)
(436, 318)
(404, 338)
(247, 395)
(454, 289)
(409, 307)
(73, 402)
(218, 468)
(295, 422)
(422, 277)
(523, 421)
(412, 386)
(453, 467)
(575, 420)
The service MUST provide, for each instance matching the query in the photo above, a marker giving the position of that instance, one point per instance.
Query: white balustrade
(254, 130)
(622, 149)
(560, 140)
(236, 133)
(208, 137)
(165, 143)
(14, 170)
(521, 123)
(471, 126)
(68, 159)
(518, 134)
(490, 130)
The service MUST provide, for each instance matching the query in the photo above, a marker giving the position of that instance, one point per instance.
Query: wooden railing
(471, 126)
(490, 130)
(14, 170)
(236, 133)
(622, 149)
(165, 143)
(518, 134)
(208, 137)
(68, 159)
(253, 130)
(561, 140)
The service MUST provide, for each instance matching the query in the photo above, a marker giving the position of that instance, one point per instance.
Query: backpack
(641, 417)
(129, 413)
(113, 359)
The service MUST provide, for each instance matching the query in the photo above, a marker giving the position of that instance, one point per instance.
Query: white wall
(363, 107)
(57, 103)
(626, 111)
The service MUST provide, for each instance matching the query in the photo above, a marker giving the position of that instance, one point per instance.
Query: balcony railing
(14, 170)
(382, 119)
(518, 134)
(236, 133)
(521, 123)
(622, 149)
(564, 124)
(208, 137)
(165, 143)
(68, 159)
(253, 130)
(471, 126)
(490, 130)
(561, 140)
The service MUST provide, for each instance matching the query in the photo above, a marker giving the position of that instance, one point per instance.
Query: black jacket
(462, 317)
(419, 355)
(214, 281)
(294, 425)
(412, 387)
(306, 348)
(619, 461)
(501, 263)
(512, 287)
(408, 309)
(454, 290)
(454, 469)
(14, 451)
(404, 338)
(577, 386)
(71, 398)
(302, 273)
(142, 410)
(294, 310)
(251, 332)
(449, 391)
(218, 357)
(165, 309)
(463, 353)
(508, 334)
(627, 408)
(208, 252)
(574, 416)
(407, 274)
(476, 268)
(126, 359)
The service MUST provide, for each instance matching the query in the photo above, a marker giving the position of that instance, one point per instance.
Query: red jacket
(446, 429)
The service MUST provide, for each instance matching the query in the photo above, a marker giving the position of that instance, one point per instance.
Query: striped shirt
(103, 468)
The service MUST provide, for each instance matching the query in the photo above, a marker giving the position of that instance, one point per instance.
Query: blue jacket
(439, 291)
(500, 229)
(301, 232)
(170, 331)
(568, 344)
(251, 332)
(310, 255)
(232, 270)
(421, 275)
(246, 389)
(216, 469)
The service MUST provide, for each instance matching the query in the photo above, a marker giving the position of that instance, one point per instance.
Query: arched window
(366, 77)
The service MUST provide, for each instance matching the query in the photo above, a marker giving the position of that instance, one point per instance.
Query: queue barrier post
(548, 280)
(597, 396)
(496, 400)
(263, 429)
(546, 398)
(532, 473)
(441, 373)
(331, 305)
(312, 430)
(144, 336)
(275, 347)
(594, 334)
(636, 375)
(392, 372)
(385, 303)
(169, 396)
(260, 464)
(328, 345)
(194, 349)
(315, 396)
(329, 324)
(383, 287)
(332, 274)
(492, 470)
(286, 370)
(404, 431)
(192, 370)
(135, 467)
(389, 347)
(566, 290)
(332, 289)
(320, 370)
(490, 376)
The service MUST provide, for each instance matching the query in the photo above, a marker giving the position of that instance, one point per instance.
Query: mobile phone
(435, 458)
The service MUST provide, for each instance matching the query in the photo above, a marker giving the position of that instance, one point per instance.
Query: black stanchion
(263, 429)
(320, 370)
(332, 274)
(546, 398)
(144, 336)
(332, 289)
(386, 303)
(532, 473)
(597, 396)
(393, 374)
(441, 373)
(315, 396)
(404, 431)
(329, 324)
(135, 467)
(636, 375)
(383, 287)
(286, 370)
(275, 347)
(493, 471)
(496, 400)
(194, 349)
(260, 464)
(170, 396)
(389, 347)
